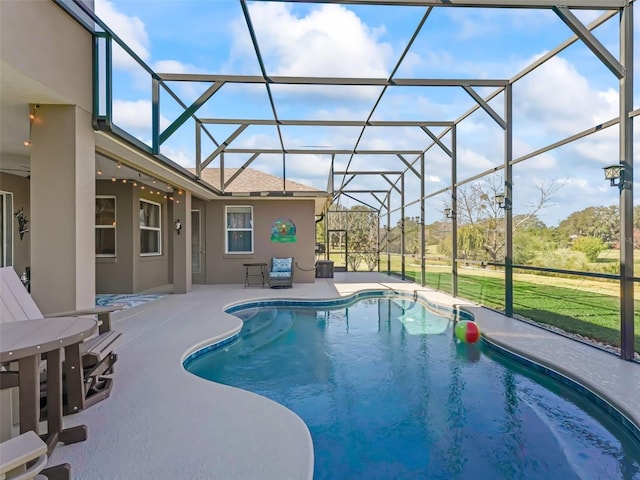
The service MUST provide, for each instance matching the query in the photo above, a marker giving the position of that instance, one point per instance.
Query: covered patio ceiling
(257, 120)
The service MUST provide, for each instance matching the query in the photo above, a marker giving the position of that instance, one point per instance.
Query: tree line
(575, 244)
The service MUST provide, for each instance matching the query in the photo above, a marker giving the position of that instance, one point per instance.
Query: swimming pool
(388, 393)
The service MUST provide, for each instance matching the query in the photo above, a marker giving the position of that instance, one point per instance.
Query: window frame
(113, 227)
(7, 216)
(228, 229)
(152, 229)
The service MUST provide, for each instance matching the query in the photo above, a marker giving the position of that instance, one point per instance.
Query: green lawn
(585, 313)
(587, 307)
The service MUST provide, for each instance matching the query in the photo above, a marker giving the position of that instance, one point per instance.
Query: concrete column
(181, 243)
(62, 208)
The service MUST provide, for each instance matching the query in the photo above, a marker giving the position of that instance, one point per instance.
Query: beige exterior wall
(19, 186)
(227, 268)
(49, 55)
(128, 272)
(62, 209)
(115, 274)
(44, 43)
(52, 54)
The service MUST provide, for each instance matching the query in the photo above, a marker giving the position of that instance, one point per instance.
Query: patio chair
(25, 457)
(281, 272)
(97, 356)
(19, 451)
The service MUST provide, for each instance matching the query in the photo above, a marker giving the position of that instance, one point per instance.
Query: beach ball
(467, 331)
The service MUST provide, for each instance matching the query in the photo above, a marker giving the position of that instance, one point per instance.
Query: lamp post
(619, 177)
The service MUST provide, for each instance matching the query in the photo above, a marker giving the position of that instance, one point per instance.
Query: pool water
(389, 393)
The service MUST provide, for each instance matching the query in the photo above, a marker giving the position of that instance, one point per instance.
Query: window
(6, 229)
(150, 232)
(239, 226)
(196, 247)
(105, 226)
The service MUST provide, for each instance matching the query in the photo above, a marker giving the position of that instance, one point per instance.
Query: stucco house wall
(227, 268)
(48, 46)
(128, 271)
(19, 186)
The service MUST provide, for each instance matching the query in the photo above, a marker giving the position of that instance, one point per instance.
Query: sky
(568, 94)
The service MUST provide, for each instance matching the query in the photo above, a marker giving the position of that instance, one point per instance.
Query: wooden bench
(89, 365)
(17, 452)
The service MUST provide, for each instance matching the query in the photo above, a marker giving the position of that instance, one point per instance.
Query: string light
(32, 118)
(169, 193)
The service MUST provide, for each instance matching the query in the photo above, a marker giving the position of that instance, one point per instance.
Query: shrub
(590, 246)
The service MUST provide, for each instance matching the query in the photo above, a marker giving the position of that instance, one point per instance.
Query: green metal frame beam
(225, 144)
(342, 81)
(590, 40)
(485, 106)
(240, 170)
(189, 111)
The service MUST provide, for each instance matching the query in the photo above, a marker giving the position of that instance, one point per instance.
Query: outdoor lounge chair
(96, 353)
(19, 451)
(281, 272)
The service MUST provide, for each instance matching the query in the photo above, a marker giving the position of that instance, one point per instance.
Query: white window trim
(227, 229)
(155, 229)
(114, 227)
(7, 240)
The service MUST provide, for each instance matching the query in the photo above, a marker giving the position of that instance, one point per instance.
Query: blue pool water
(388, 393)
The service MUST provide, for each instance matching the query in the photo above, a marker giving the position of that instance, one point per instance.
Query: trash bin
(324, 269)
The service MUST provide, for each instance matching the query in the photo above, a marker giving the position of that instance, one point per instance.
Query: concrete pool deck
(163, 422)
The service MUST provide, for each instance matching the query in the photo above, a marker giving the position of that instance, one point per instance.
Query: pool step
(282, 322)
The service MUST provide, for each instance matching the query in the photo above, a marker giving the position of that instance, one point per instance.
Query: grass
(583, 306)
(593, 315)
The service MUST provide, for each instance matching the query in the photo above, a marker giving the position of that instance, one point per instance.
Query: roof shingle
(251, 180)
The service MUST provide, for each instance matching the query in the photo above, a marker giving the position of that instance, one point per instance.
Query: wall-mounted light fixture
(449, 213)
(22, 222)
(501, 200)
(178, 226)
(615, 175)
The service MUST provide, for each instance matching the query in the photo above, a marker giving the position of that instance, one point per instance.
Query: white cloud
(601, 147)
(181, 157)
(174, 66)
(135, 116)
(259, 140)
(560, 100)
(328, 41)
(131, 30)
(471, 158)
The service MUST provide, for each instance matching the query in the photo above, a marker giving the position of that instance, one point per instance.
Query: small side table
(257, 270)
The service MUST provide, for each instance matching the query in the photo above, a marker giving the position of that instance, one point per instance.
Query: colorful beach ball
(467, 331)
